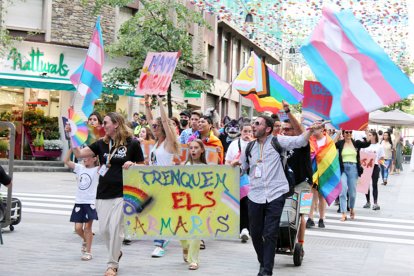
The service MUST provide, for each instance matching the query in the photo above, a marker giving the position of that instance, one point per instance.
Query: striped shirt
(273, 183)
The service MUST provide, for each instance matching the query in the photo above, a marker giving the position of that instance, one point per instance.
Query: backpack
(289, 174)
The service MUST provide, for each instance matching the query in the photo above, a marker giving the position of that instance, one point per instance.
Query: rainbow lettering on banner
(355, 70)
(182, 202)
(367, 163)
(87, 79)
(79, 129)
(157, 73)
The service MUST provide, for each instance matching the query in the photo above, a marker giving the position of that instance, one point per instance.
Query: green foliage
(402, 105)
(407, 150)
(106, 104)
(161, 26)
(4, 146)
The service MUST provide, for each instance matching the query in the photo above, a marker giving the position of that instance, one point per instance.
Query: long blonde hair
(176, 145)
(123, 132)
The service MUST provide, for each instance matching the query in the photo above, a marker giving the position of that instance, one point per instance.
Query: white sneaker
(244, 235)
(158, 252)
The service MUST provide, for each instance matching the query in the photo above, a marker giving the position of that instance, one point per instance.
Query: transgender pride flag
(88, 77)
(353, 68)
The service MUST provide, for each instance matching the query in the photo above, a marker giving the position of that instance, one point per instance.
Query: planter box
(406, 158)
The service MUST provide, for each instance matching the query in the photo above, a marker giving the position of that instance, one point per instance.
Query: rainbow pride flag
(79, 129)
(258, 83)
(353, 68)
(326, 169)
(88, 77)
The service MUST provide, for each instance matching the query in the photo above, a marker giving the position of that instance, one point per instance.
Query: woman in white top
(412, 158)
(386, 144)
(163, 152)
(379, 158)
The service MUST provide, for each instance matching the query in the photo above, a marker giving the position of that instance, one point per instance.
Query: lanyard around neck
(108, 159)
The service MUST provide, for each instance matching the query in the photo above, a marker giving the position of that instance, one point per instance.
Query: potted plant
(4, 147)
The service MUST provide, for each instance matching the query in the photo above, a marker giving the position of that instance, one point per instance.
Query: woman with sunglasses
(163, 152)
(351, 169)
(387, 145)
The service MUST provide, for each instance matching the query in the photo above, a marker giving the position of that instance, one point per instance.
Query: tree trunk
(169, 102)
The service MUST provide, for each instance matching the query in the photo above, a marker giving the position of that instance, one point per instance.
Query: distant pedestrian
(398, 149)
(386, 143)
(191, 248)
(187, 133)
(376, 148)
(84, 211)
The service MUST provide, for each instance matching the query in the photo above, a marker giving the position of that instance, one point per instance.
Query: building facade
(34, 73)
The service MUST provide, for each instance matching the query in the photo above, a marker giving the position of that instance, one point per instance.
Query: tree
(405, 104)
(161, 26)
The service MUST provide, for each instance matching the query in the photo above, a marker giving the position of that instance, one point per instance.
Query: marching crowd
(259, 147)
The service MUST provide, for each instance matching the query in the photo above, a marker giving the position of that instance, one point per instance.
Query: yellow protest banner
(182, 202)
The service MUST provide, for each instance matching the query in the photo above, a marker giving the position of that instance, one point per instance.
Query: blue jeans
(264, 222)
(349, 180)
(385, 168)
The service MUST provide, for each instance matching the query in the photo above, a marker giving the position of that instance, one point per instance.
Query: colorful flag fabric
(355, 70)
(326, 169)
(88, 77)
(264, 87)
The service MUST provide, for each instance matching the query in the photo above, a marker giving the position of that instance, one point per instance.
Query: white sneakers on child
(244, 235)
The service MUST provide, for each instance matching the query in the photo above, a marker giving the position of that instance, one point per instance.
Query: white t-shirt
(377, 149)
(161, 156)
(87, 184)
(233, 150)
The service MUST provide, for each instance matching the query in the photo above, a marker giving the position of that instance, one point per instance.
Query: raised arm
(170, 133)
(68, 162)
(148, 112)
(83, 153)
(293, 120)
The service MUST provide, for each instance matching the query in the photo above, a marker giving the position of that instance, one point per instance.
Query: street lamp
(249, 20)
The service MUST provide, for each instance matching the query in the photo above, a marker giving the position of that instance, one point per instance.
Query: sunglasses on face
(256, 123)
(154, 126)
(348, 131)
(287, 128)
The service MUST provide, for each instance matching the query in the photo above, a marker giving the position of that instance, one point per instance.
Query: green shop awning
(52, 83)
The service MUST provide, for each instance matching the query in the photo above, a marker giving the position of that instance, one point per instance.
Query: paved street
(376, 243)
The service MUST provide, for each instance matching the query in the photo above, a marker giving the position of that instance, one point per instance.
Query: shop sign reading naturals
(35, 61)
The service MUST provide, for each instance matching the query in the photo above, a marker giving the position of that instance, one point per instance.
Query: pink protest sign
(367, 162)
(157, 73)
(317, 103)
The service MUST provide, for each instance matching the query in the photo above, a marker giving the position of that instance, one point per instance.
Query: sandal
(83, 248)
(202, 245)
(193, 266)
(120, 256)
(344, 218)
(111, 271)
(185, 255)
(86, 256)
(352, 215)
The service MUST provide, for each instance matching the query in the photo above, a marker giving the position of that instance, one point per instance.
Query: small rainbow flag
(326, 169)
(79, 129)
(136, 197)
(264, 87)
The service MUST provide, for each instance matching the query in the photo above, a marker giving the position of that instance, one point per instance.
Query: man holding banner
(268, 186)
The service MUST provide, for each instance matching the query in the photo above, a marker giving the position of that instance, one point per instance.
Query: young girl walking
(84, 212)
(191, 248)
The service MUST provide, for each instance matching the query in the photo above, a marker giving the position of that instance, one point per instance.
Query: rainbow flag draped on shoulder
(326, 169)
(263, 87)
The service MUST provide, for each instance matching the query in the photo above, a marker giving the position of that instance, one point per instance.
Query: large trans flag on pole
(353, 68)
(264, 87)
(88, 77)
